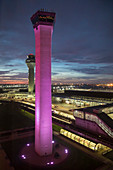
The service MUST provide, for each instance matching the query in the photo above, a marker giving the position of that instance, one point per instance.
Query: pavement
(4, 161)
(29, 156)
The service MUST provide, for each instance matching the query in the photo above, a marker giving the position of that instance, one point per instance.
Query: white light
(23, 157)
(66, 151)
(53, 141)
(52, 163)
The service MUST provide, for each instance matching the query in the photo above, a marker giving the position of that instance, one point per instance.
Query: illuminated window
(82, 140)
(69, 134)
(73, 136)
(62, 131)
(77, 138)
(98, 146)
(87, 116)
(65, 133)
(92, 145)
(86, 143)
(79, 114)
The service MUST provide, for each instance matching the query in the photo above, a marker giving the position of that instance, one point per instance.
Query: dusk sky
(82, 44)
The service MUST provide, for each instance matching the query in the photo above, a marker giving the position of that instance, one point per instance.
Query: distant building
(95, 120)
(30, 61)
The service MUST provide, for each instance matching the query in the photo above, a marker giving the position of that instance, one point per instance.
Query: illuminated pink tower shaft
(43, 28)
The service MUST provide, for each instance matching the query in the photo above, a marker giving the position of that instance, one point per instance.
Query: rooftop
(97, 110)
(43, 18)
(30, 58)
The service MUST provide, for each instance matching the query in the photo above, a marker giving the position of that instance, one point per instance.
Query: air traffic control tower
(43, 23)
(30, 61)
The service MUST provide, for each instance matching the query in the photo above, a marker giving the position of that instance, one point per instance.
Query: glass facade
(81, 140)
(63, 114)
(79, 114)
(94, 118)
(100, 123)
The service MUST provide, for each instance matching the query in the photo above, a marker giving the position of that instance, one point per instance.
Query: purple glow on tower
(43, 28)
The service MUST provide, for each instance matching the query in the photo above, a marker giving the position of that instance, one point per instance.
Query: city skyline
(81, 46)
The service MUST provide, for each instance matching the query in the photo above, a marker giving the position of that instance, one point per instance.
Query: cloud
(87, 56)
(81, 36)
(20, 75)
(9, 65)
(101, 70)
(4, 72)
(13, 75)
(54, 74)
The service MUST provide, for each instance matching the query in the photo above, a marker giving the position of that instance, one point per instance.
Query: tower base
(28, 155)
